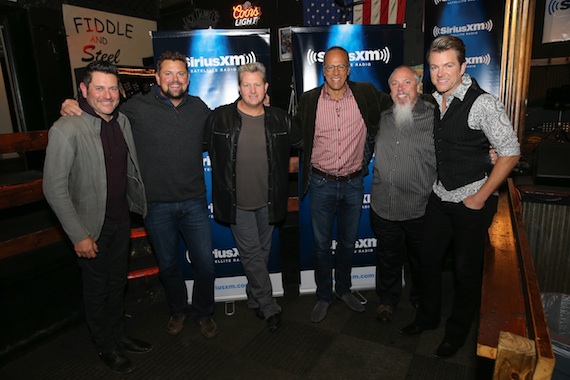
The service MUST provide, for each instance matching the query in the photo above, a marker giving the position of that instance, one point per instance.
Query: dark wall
(218, 14)
(51, 61)
(277, 14)
(550, 50)
(545, 77)
(36, 47)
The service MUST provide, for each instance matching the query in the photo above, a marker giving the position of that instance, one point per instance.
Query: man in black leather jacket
(250, 146)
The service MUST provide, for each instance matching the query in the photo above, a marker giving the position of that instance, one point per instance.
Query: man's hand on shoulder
(70, 107)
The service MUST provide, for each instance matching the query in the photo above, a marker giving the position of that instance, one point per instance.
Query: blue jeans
(330, 200)
(165, 222)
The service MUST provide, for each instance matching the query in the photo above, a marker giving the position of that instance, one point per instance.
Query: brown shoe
(208, 328)
(384, 313)
(175, 324)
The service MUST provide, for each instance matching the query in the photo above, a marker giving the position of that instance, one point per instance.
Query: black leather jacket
(221, 137)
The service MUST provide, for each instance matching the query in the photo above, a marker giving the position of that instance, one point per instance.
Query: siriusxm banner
(479, 23)
(214, 57)
(374, 52)
(556, 21)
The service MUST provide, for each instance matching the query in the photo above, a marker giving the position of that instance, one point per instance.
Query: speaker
(553, 163)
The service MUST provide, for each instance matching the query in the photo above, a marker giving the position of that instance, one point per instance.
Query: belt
(333, 177)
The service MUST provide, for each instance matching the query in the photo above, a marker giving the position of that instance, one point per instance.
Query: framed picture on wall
(285, 48)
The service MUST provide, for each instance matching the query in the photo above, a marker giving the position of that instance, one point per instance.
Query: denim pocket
(316, 180)
(357, 182)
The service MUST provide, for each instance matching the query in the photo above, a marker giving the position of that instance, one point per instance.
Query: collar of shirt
(85, 106)
(166, 100)
(459, 92)
(326, 95)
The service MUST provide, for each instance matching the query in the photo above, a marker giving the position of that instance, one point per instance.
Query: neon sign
(246, 14)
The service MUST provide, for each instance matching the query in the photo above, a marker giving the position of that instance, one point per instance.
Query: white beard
(403, 114)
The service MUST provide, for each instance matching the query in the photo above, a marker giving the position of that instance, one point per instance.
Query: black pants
(104, 282)
(398, 242)
(467, 230)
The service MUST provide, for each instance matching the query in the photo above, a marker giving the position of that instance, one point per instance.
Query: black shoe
(259, 313)
(117, 362)
(411, 330)
(134, 346)
(274, 322)
(446, 350)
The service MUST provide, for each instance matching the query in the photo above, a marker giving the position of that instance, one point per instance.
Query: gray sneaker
(319, 311)
(352, 302)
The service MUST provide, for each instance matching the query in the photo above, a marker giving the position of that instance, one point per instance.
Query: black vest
(462, 153)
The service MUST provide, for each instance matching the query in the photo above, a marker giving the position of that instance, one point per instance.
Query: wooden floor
(346, 345)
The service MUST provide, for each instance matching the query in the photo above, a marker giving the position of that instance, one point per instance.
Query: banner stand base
(230, 308)
(363, 300)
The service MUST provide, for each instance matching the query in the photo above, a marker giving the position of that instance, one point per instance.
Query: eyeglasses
(340, 68)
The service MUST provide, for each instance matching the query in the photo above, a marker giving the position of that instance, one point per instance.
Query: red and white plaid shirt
(340, 135)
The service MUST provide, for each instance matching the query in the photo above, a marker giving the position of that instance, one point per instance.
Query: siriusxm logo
(480, 60)
(206, 162)
(382, 55)
(359, 244)
(366, 200)
(439, 1)
(365, 243)
(225, 253)
(222, 60)
(557, 5)
(455, 29)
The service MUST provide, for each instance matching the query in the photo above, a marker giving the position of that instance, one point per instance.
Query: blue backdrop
(479, 23)
(374, 52)
(214, 57)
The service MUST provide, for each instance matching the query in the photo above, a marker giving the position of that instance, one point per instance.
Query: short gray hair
(254, 67)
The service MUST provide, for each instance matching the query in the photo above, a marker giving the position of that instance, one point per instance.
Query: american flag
(330, 12)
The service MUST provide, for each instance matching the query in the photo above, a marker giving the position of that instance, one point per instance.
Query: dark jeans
(330, 200)
(466, 230)
(165, 223)
(398, 242)
(104, 282)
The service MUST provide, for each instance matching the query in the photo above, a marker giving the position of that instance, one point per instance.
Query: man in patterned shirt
(404, 172)
(463, 201)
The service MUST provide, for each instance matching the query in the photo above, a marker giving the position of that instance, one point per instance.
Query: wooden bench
(21, 187)
(512, 325)
(24, 187)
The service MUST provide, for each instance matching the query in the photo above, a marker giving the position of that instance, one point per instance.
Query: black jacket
(221, 137)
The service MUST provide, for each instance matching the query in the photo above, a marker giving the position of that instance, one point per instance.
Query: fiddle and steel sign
(95, 35)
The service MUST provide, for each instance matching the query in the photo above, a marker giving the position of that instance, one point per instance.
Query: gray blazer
(75, 181)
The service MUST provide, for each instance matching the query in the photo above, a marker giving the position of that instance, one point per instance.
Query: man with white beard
(404, 172)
